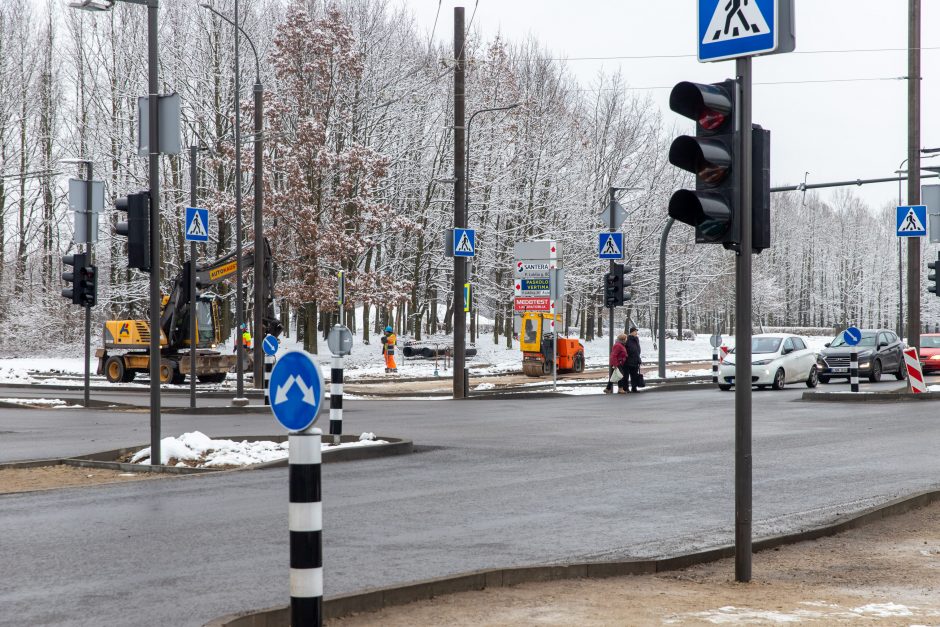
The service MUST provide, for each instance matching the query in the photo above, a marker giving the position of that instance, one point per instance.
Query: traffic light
(710, 157)
(932, 277)
(76, 261)
(627, 294)
(87, 285)
(136, 229)
(613, 287)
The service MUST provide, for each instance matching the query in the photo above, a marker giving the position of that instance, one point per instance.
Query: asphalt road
(493, 483)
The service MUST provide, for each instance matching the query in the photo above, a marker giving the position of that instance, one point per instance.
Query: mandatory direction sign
(270, 345)
(296, 387)
(727, 30)
(912, 220)
(852, 336)
(197, 224)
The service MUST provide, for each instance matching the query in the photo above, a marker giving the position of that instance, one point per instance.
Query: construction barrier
(915, 376)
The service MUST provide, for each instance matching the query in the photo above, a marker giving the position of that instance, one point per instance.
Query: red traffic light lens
(710, 173)
(709, 119)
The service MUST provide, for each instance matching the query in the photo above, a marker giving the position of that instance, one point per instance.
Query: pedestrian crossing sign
(912, 221)
(737, 28)
(464, 243)
(610, 246)
(197, 224)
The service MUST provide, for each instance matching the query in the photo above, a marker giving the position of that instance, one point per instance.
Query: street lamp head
(92, 5)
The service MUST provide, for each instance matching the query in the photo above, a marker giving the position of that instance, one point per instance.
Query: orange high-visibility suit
(388, 349)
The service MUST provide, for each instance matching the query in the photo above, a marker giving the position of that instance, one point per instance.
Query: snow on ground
(46, 402)
(201, 451)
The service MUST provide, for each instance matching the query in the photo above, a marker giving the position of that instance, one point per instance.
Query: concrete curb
(902, 396)
(379, 598)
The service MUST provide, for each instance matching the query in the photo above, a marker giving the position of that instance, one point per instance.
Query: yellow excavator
(126, 348)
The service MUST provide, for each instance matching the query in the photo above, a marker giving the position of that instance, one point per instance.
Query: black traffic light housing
(627, 294)
(711, 156)
(613, 286)
(932, 277)
(76, 261)
(136, 229)
(87, 285)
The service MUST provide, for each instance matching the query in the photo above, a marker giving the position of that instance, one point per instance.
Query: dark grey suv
(880, 351)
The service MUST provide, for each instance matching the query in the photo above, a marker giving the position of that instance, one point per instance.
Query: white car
(776, 359)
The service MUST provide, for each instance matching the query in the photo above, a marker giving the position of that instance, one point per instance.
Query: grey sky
(834, 130)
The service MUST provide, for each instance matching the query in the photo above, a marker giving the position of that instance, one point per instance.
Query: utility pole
(913, 176)
(460, 217)
(155, 223)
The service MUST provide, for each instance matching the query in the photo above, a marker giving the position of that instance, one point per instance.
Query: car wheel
(813, 379)
(779, 379)
(723, 387)
(823, 379)
(901, 374)
(875, 375)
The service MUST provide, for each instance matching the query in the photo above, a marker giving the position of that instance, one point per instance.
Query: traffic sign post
(715, 341)
(852, 337)
(298, 397)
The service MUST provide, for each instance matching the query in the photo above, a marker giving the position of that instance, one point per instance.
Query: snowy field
(197, 450)
(366, 360)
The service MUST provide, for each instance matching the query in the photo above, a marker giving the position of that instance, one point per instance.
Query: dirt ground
(887, 573)
(61, 476)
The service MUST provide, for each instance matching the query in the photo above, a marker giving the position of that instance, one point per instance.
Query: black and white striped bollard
(715, 364)
(306, 529)
(853, 371)
(336, 398)
(268, 367)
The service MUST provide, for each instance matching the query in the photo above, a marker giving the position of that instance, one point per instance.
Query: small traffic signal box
(87, 285)
(627, 294)
(932, 277)
(136, 228)
(613, 286)
(712, 208)
(76, 261)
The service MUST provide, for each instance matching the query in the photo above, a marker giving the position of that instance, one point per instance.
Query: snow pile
(44, 402)
(197, 450)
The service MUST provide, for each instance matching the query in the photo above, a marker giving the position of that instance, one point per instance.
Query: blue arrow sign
(912, 220)
(734, 28)
(852, 336)
(296, 390)
(197, 224)
(269, 345)
(610, 246)
(464, 243)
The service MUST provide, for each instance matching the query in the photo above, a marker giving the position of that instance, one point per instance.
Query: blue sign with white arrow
(464, 243)
(197, 224)
(269, 345)
(852, 336)
(912, 221)
(736, 28)
(296, 390)
(610, 246)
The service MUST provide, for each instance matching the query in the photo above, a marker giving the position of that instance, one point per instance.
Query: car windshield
(930, 341)
(868, 339)
(763, 345)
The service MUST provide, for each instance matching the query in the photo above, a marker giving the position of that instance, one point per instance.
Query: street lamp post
(466, 203)
(154, 176)
(258, 91)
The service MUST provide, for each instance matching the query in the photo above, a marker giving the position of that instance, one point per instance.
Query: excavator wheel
(167, 372)
(114, 369)
(532, 369)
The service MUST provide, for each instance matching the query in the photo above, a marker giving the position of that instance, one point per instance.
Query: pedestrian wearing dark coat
(633, 360)
(618, 360)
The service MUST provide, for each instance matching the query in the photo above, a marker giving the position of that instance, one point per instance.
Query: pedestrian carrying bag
(640, 381)
(616, 375)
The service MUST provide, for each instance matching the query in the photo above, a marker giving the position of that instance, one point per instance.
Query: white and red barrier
(722, 352)
(915, 376)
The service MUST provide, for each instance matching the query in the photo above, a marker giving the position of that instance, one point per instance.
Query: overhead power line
(692, 56)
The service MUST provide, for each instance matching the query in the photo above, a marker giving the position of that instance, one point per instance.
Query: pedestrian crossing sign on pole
(912, 221)
(728, 29)
(610, 246)
(464, 242)
(197, 224)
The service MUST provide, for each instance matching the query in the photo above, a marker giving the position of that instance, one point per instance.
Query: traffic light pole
(193, 193)
(913, 176)
(154, 174)
(611, 227)
(661, 332)
(460, 217)
(89, 208)
(742, 393)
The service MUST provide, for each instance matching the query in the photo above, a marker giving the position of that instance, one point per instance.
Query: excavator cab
(207, 323)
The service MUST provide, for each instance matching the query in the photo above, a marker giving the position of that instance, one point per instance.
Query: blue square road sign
(912, 220)
(736, 28)
(197, 224)
(464, 243)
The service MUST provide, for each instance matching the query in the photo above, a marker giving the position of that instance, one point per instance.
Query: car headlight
(863, 364)
(762, 362)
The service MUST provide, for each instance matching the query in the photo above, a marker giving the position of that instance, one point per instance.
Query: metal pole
(259, 239)
(900, 266)
(239, 305)
(89, 198)
(742, 396)
(913, 175)
(611, 227)
(193, 200)
(662, 298)
(853, 370)
(460, 217)
(305, 523)
(155, 224)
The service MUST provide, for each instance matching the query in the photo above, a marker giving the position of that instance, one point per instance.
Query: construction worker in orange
(388, 349)
(246, 336)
